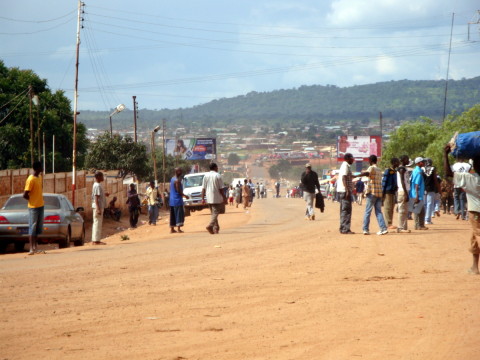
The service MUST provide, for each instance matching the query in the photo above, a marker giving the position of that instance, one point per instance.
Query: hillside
(398, 100)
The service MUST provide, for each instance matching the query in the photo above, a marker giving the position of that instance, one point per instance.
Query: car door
(73, 218)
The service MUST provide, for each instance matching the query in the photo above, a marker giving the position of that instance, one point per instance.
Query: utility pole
(53, 155)
(380, 118)
(30, 96)
(44, 162)
(163, 155)
(135, 104)
(475, 21)
(448, 70)
(75, 101)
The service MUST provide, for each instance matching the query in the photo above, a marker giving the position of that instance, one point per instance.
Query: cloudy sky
(181, 53)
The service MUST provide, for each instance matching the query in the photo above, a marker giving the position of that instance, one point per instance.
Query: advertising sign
(192, 149)
(361, 147)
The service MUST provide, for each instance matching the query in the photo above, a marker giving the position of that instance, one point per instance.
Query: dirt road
(270, 286)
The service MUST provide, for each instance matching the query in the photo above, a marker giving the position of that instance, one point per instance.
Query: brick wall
(13, 182)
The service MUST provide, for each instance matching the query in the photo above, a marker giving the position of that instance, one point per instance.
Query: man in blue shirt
(417, 192)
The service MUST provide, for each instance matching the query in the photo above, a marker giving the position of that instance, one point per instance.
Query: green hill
(398, 100)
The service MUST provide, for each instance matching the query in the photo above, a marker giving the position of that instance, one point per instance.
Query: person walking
(277, 189)
(212, 193)
(459, 196)
(309, 182)
(359, 188)
(133, 202)
(98, 206)
(231, 195)
(257, 190)
(402, 195)
(471, 184)
(152, 196)
(263, 194)
(389, 189)
(252, 192)
(417, 194)
(431, 186)
(344, 193)
(177, 212)
(446, 190)
(33, 193)
(246, 193)
(238, 195)
(374, 197)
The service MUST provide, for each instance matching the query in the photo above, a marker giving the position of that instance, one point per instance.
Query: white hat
(419, 160)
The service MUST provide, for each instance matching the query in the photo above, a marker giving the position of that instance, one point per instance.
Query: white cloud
(386, 65)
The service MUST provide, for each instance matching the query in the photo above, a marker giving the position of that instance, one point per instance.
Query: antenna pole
(448, 70)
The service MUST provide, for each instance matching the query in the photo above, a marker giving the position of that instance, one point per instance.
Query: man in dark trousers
(309, 181)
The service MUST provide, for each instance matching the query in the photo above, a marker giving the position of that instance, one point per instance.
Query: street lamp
(154, 156)
(118, 109)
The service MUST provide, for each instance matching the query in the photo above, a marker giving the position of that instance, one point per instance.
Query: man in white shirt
(214, 196)
(98, 205)
(344, 193)
(459, 197)
(470, 183)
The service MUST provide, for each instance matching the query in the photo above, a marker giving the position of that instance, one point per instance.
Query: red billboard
(361, 147)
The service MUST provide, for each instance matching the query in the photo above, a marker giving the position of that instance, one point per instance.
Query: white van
(192, 187)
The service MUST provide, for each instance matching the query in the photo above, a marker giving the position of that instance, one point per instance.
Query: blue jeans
(35, 221)
(459, 200)
(373, 202)
(152, 214)
(429, 206)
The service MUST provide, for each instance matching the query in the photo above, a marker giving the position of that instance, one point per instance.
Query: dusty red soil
(270, 286)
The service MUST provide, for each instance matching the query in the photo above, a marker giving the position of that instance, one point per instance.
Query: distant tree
(119, 153)
(233, 159)
(424, 137)
(52, 116)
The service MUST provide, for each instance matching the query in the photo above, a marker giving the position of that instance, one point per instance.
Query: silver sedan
(62, 224)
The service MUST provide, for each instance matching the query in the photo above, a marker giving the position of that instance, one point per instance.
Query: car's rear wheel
(65, 243)
(3, 247)
(187, 211)
(81, 241)
(19, 246)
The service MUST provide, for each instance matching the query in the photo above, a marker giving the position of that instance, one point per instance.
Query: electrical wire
(38, 31)
(373, 26)
(216, 77)
(38, 21)
(13, 99)
(295, 36)
(11, 111)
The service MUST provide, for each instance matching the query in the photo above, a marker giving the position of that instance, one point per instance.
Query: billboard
(361, 147)
(192, 149)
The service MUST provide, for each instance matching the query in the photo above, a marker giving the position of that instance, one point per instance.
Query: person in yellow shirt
(34, 194)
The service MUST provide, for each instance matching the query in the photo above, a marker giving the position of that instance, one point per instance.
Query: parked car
(62, 224)
(192, 187)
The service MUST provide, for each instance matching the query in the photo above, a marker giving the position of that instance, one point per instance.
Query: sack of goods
(466, 146)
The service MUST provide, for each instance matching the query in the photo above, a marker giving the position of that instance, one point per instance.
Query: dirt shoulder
(270, 286)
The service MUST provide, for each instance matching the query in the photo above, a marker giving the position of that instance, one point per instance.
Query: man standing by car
(98, 205)
(309, 181)
(34, 194)
(213, 194)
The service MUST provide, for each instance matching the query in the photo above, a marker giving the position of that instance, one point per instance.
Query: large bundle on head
(466, 146)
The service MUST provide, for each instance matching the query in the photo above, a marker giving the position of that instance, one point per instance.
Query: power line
(38, 31)
(13, 99)
(38, 21)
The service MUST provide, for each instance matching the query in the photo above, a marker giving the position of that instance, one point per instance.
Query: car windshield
(192, 181)
(19, 203)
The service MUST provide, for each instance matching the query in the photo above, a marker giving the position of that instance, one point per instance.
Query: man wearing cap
(344, 193)
(309, 181)
(417, 194)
